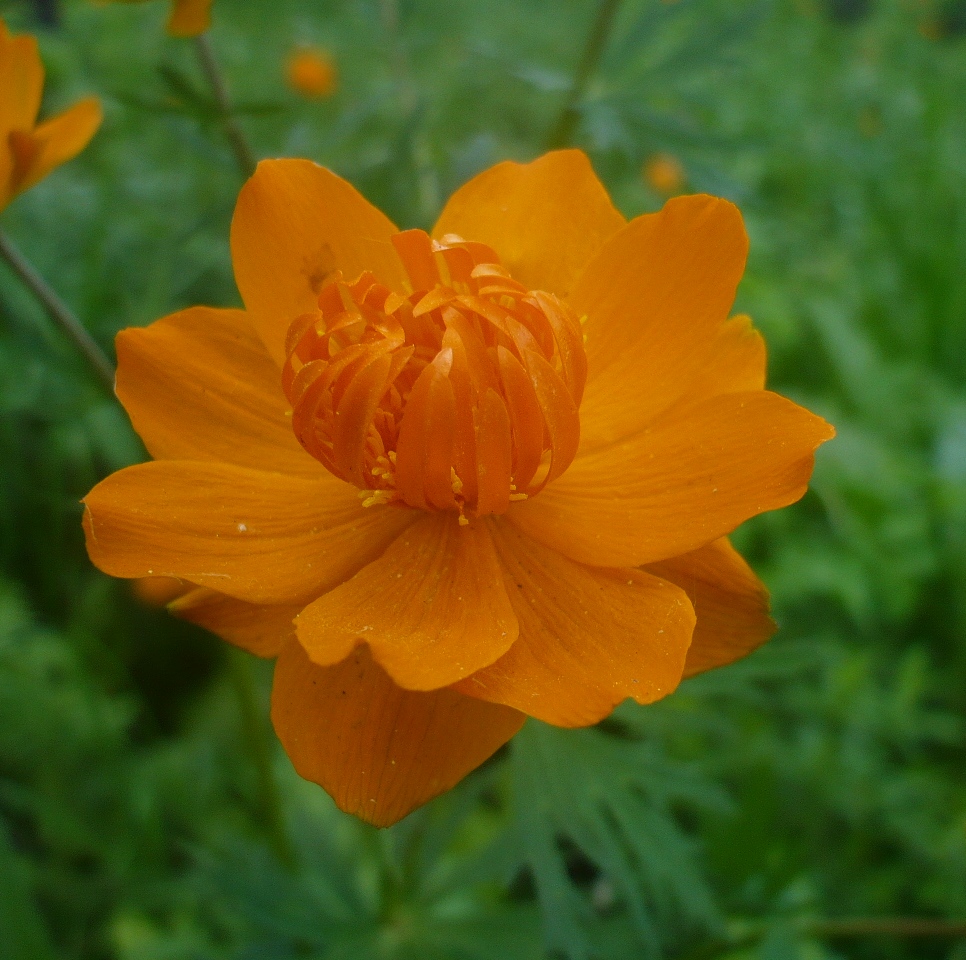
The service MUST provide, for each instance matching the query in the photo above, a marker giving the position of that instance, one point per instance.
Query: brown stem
(597, 39)
(240, 147)
(59, 312)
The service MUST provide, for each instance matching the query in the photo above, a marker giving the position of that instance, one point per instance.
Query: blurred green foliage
(819, 780)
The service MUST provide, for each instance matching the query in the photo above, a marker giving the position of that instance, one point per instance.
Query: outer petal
(21, 80)
(654, 296)
(730, 602)
(588, 638)
(380, 751)
(680, 485)
(189, 17)
(295, 225)
(260, 629)
(59, 140)
(545, 219)
(431, 609)
(200, 385)
(731, 360)
(261, 537)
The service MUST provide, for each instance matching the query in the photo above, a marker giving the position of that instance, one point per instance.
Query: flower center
(462, 395)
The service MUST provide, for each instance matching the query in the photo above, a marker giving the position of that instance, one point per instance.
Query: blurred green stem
(748, 934)
(427, 182)
(219, 88)
(597, 39)
(260, 745)
(59, 312)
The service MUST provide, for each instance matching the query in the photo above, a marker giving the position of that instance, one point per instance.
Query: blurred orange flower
(456, 480)
(664, 174)
(311, 72)
(188, 17)
(29, 152)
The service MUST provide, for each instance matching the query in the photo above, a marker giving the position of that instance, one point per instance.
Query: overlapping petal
(296, 224)
(262, 629)
(378, 750)
(431, 609)
(200, 385)
(21, 80)
(655, 296)
(545, 219)
(680, 485)
(256, 536)
(589, 638)
(730, 602)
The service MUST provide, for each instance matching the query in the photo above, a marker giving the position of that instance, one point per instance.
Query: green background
(767, 810)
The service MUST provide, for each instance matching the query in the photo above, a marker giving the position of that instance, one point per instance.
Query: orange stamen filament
(462, 395)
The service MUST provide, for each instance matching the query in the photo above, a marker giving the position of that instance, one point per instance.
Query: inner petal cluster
(461, 395)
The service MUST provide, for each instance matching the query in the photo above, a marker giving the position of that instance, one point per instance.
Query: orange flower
(29, 152)
(311, 72)
(664, 174)
(188, 17)
(458, 480)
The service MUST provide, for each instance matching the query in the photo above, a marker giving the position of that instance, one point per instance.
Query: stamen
(461, 394)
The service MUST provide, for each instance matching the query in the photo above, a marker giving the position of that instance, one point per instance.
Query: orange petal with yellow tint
(200, 385)
(295, 225)
(589, 638)
(21, 80)
(730, 602)
(731, 360)
(654, 296)
(378, 750)
(59, 140)
(189, 17)
(680, 485)
(431, 609)
(260, 537)
(545, 219)
(258, 628)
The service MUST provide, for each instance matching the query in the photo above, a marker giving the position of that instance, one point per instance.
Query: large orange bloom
(188, 17)
(452, 481)
(29, 152)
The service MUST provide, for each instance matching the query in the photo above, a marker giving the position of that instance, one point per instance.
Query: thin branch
(244, 155)
(743, 935)
(597, 39)
(59, 312)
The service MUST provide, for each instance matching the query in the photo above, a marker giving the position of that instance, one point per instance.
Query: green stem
(59, 312)
(244, 155)
(597, 39)
(747, 935)
(260, 746)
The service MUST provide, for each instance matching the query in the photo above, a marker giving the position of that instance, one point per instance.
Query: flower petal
(730, 602)
(260, 537)
(431, 609)
(189, 17)
(295, 225)
(545, 219)
(200, 385)
(588, 638)
(21, 80)
(378, 750)
(654, 296)
(731, 360)
(258, 628)
(60, 139)
(685, 482)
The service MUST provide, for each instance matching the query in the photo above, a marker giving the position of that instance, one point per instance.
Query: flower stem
(260, 745)
(597, 39)
(747, 935)
(58, 311)
(240, 147)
